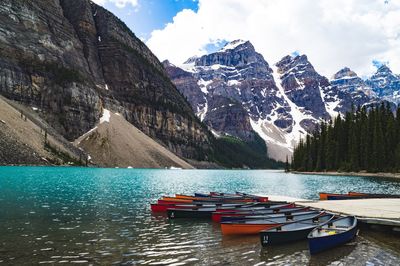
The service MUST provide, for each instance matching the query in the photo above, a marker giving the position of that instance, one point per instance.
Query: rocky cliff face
(71, 58)
(243, 95)
(234, 86)
(302, 85)
(347, 91)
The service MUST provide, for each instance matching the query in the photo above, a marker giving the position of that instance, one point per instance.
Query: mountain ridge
(283, 102)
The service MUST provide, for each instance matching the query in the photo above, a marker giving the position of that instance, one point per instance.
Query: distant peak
(384, 69)
(167, 63)
(191, 60)
(344, 72)
(234, 44)
(293, 59)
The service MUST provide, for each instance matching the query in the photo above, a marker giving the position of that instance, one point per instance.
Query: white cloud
(333, 34)
(118, 3)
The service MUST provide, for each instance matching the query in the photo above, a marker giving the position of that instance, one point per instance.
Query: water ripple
(102, 216)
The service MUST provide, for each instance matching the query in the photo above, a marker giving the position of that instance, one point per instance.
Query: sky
(360, 34)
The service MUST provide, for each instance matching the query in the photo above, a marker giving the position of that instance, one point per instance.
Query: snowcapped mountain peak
(297, 64)
(344, 73)
(234, 91)
(384, 69)
(235, 44)
(385, 84)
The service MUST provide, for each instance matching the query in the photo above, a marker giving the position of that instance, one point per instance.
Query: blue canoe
(201, 195)
(337, 232)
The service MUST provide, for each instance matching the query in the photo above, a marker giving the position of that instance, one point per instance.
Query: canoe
(201, 195)
(336, 196)
(174, 213)
(203, 212)
(373, 195)
(257, 207)
(345, 197)
(260, 198)
(334, 233)
(258, 216)
(217, 203)
(163, 207)
(353, 195)
(224, 197)
(293, 231)
(247, 227)
(189, 199)
(218, 216)
(325, 195)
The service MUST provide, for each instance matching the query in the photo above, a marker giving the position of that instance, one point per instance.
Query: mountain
(347, 91)
(385, 84)
(235, 91)
(71, 59)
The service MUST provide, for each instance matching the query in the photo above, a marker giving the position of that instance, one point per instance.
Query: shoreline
(361, 174)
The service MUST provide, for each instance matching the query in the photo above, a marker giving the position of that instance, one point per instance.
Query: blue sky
(148, 15)
(360, 34)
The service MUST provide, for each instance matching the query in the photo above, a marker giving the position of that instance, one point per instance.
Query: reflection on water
(102, 217)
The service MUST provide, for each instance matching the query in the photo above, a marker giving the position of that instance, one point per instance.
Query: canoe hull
(275, 238)
(345, 197)
(182, 213)
(317, 245)
(245, 229)
(238, 216)
(217, 216)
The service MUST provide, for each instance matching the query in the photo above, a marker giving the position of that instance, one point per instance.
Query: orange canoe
(251, 227)
(245, 229)
(324, 195)
(352, 193)
(172, 199)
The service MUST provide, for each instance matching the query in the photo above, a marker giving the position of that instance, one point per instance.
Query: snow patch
(329, 106)
(203, 85)
(344, 78)
(188, 67)
(233, 82)
(216, 66)
(201, 113)
(106, 87)
(215, 133)
(105, 117)
(232, 45)
(277, 135)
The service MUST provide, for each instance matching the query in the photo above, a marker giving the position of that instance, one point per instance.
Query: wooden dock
(374, 212)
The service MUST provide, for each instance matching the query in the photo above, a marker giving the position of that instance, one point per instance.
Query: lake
(53, 215)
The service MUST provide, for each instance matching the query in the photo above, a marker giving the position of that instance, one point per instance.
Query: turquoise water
(51, 215)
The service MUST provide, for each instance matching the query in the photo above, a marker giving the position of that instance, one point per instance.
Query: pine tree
(366, 139)
(287, 166)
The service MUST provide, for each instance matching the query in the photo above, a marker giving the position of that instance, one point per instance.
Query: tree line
(366, 139)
